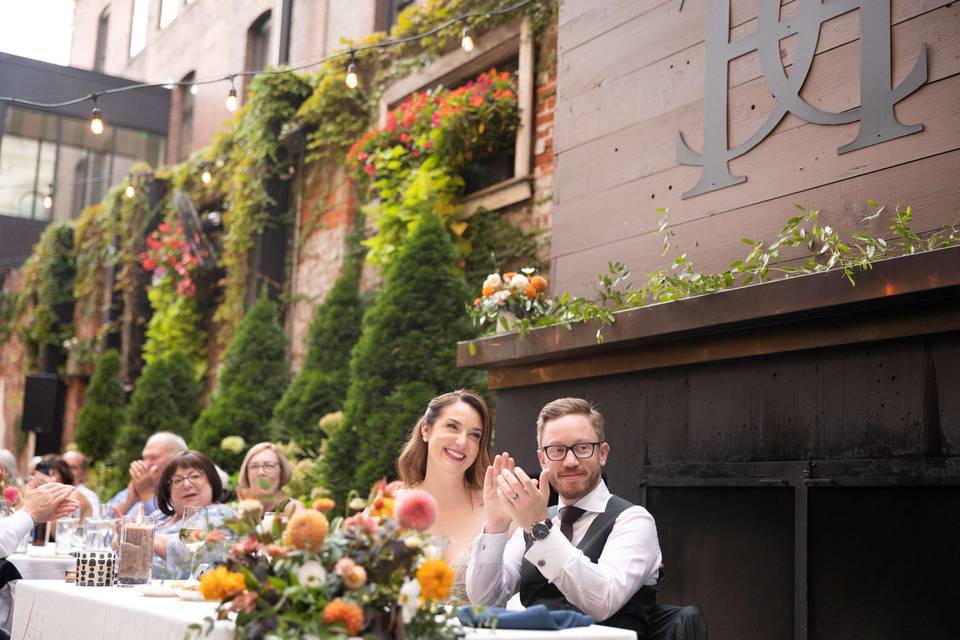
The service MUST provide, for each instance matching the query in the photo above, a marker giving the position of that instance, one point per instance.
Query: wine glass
(193, 531)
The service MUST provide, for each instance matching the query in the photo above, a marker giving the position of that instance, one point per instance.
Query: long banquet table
(55, 609)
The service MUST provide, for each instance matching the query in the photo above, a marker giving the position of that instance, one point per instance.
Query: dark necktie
(569, 515)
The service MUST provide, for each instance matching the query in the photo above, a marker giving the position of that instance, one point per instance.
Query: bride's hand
(496, 517)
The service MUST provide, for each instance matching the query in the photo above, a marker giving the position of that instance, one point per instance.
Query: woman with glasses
(189, 481)
(263, 475)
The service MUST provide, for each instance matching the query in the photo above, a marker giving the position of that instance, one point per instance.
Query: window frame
(513, 39)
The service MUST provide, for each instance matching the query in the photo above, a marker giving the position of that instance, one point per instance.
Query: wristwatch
(541, 530)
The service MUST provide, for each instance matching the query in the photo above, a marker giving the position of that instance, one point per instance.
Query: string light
(48, 198)
(206, 177)
(352, 79)
(96, 119)
(232, 101)
(130, 191)
(466, 42)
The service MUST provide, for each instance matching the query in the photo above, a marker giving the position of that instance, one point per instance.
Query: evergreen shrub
(103, 413)
(255, 374)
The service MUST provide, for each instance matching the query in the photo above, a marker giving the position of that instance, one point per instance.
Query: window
(103, 26)
(138, 26)
(185, 139)
(258, 47)
(503, 179)
(168, 12)
(28, 155)
(389, 12)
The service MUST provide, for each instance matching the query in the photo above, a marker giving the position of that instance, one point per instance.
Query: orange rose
(539, 283)
(476, 302)
(507, 277)
(488, 291)
(531, 292)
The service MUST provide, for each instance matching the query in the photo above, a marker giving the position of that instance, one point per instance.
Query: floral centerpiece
(506, 299)
(375, 572)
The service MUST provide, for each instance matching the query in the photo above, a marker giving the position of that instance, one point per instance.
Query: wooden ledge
(796, 313)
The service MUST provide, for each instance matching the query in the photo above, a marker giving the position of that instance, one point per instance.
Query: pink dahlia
(11, 495)
(362, 523)
(415, 509)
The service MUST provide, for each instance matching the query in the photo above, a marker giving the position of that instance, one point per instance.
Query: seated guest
(145, 474)
(447, 455)
(79, 468)
(40, 504)
(53, 468)
(600, 555)
(263, 475)
(190, 479)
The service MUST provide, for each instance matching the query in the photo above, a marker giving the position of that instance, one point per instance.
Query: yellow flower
(382, 508)
(220, 583)
(435, 578)
(306, 530)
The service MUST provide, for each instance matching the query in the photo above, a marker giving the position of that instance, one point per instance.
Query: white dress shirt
(12, 530)
(630, 560)
(92, 498)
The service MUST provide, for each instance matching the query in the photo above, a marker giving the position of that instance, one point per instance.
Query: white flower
(519, 281)
(412, 542)
(493, 280)
(432, 552)
(501, 297)
(528, 271)
(311, 574)
(409, 599)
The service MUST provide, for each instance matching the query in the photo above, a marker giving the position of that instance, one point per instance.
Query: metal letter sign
(875, 113)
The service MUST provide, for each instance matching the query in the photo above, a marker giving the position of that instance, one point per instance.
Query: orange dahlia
(539, 283)
(306, 530)
(435, 578)
(220, 583)
(531, 291)
(488, 291)
(324, 504)
(344, 612)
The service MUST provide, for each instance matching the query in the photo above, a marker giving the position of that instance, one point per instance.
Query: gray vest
(534, 588)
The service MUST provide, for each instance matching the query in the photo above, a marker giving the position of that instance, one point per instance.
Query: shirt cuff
(490, 546)
(21, 523)
(550, 554)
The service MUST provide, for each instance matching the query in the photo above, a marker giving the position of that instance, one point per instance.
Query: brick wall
(12, 355)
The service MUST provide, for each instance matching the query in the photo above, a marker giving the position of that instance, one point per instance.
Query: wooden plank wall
(631, 75)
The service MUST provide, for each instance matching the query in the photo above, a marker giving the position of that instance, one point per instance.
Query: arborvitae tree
(255, 374)
(321, 385)
(405, 356)
(102, 415)
(166, 398)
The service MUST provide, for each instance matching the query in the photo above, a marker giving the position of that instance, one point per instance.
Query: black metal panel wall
(782, 483)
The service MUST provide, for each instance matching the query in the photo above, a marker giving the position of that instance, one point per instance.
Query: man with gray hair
(161, 448)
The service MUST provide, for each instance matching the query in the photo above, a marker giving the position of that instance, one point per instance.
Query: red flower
(415, 153)
(363, 155)
(149, 264)
(404, 137)
(416, 509)
(476, 100)
(11, 495)
(369, 169)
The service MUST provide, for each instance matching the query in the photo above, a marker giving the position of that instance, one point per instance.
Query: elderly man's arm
(42, 503)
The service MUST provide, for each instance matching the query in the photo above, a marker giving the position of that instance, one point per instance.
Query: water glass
(99, 534)
(66, 530)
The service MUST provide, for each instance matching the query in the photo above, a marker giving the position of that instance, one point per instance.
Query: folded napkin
(536, 617)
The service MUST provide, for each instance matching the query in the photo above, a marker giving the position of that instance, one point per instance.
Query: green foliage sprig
(803, 246)
(45, 303)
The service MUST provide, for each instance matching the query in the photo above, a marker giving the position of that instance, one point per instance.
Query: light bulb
(232, 101)
(47, 201)
(206, 177)
(130, 191)
(194, 89)
(96, 122)
(466, 41)
(352, 79)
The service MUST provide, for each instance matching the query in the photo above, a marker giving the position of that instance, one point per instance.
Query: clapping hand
(50, 501)
(141, 481)
(525, 499)
(496, 516)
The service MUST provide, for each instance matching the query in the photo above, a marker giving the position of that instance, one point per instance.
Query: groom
(598, 555)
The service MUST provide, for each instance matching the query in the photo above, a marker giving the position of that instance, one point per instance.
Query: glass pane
(168, 11)
(139, 24)
(30, 124)
(48, 162)
(141, 145)
(18, 166)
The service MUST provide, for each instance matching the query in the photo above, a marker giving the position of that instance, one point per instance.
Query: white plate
(156, 591)
(190, 595)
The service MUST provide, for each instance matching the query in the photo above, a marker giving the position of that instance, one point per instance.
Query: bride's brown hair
(412, 463)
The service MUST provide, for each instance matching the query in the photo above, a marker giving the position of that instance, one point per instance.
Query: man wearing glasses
(598, 554)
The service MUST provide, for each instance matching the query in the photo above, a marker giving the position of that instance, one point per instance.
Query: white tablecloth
(50, 609)
(46, 609)
(40, 563)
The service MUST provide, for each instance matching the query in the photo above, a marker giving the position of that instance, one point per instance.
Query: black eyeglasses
(581, 450)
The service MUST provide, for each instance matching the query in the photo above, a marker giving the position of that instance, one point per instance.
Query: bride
(447, 455)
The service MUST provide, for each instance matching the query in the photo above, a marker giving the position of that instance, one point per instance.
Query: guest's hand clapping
(49, 501)
(496, 516)
(141, 480)
(525, 499)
